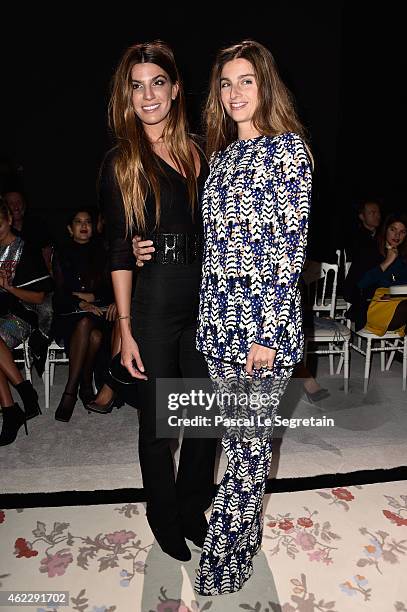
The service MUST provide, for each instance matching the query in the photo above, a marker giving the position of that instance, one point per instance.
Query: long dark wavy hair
(381, 238)
(276, 112)
(135, 166)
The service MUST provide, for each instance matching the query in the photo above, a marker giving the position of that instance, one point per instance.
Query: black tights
(83, 347)
(400, 316)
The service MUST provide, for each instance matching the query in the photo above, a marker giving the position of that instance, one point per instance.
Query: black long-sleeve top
(365, 276)
(175, 215)
(81, 268)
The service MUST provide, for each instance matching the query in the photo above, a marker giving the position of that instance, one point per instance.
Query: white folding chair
(341, 305)
(390, 342)
(54, 356)
(322, 296)
(25, 359)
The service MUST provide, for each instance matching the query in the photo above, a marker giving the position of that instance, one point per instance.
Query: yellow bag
(380, 313)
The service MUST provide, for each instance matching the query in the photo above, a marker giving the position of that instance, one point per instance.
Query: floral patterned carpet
(336, 550)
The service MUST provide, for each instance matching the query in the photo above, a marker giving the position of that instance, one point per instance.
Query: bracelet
(123, 317)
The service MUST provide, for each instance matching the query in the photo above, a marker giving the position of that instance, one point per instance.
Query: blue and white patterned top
(255, 211)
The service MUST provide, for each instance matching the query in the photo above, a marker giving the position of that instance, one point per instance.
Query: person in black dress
(83, 306)
(380, 264)
(151, 184)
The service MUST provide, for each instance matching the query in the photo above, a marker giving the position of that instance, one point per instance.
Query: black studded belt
(176, 248)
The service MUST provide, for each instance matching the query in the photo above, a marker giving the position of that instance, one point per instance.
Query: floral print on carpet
(336, 550)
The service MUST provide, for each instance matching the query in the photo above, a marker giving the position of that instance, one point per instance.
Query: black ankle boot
(195, 529)
(171, 541)
(29, 397)
(13, 418)
(38, 342)
(66, 406)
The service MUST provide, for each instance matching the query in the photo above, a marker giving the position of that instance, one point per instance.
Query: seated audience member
(372, 272)
(34, 232)
(31, 228)
(83, 308)
(24, 281)
(363, 238)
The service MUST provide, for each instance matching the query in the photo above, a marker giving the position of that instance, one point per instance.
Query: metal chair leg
(331, 359)
(382, 355)
(367, 364)
(346, 366)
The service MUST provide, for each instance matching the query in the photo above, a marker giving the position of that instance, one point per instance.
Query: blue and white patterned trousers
(236, 524)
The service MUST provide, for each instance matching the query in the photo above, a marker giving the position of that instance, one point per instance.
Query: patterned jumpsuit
(255, 211)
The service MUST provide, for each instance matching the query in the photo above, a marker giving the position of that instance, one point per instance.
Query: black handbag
(10, 304)
(119, 373)
(123, 383)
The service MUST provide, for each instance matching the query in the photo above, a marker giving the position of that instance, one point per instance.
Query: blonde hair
(275, 113)
(136, 168)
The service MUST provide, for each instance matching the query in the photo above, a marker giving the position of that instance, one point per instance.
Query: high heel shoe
(114, 402)
(171, 541)
(317, 396)
(13, 418)
(196, 531)
(66, 406)
(29, 398)
(174, 547)
(86, 394)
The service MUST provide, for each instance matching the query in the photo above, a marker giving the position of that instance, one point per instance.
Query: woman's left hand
(260, 357)
(111, 312)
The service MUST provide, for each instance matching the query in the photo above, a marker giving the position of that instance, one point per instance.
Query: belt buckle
(170, 253)
(175, 248)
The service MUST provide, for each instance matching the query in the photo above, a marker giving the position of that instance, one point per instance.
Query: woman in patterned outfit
(255, 210)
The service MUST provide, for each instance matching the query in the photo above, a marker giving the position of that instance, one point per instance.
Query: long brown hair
(275, 113)
(381, 237)
(135, 166)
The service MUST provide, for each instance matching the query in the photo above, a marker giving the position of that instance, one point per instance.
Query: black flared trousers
(165, 309)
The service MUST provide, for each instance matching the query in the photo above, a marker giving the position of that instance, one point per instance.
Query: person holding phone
(151, 184)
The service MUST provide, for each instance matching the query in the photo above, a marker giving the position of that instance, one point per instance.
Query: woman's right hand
(129, 354)
(84, 305)
(142, 250)
(391, 256)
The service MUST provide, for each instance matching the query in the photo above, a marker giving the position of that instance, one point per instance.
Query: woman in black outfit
(383, 263)
(151, 184)
(83, 308)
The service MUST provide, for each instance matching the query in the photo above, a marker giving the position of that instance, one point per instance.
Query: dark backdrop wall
(343, 67)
